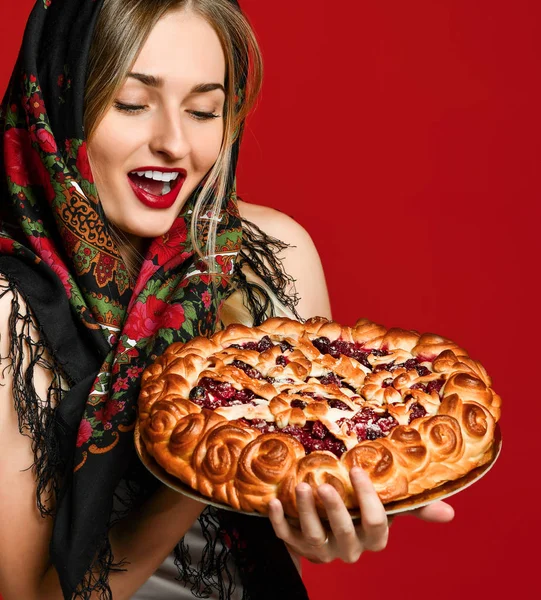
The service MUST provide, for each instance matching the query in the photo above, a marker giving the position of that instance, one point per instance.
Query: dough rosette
(408, 448)
(477, 422)
(316, 469)
(215, 462)
(442, 435)
(263, 465)
(378, 460)
(164, 418)
(175, 455)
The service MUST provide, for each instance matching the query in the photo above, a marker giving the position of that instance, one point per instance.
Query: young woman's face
(164, 131)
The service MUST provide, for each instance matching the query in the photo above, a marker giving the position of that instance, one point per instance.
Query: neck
(132, 249)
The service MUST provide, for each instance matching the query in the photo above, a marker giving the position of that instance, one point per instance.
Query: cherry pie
(246, 415)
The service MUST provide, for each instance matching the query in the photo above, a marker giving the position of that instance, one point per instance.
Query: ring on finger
(323, 543)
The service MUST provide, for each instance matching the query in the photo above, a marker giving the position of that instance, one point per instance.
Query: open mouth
(157, 183)
(157, 189)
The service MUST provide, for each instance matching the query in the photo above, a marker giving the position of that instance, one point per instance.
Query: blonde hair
(121, 30)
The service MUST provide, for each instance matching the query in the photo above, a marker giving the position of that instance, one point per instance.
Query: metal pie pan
(392, 508)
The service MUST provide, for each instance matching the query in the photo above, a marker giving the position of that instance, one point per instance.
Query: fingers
(278, 520)
(439, 512)
(348, 544)
(311, 540)
(314, 533)
(375, 526)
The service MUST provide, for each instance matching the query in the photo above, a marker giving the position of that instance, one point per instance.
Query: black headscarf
(56, 252)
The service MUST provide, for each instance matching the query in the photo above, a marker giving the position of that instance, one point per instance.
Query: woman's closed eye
(203, 116)
(131, 109)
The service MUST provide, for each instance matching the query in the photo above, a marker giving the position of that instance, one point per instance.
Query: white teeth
(166, 188)
(157, 175)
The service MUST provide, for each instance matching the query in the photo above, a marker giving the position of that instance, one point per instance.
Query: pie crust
(246, 415)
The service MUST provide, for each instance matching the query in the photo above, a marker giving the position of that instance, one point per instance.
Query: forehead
(182, 47)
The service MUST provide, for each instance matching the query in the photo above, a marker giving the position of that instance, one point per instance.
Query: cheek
(111, 145)
(206, 147)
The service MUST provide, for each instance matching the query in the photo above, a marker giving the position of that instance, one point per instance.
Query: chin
(146, 227)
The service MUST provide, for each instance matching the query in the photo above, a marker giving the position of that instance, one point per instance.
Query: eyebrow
(153, 81)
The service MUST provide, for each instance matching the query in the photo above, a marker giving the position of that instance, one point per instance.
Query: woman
(122, 234)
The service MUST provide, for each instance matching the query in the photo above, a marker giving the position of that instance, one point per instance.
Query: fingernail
(303, 488)
(324, 488)
(356, 473)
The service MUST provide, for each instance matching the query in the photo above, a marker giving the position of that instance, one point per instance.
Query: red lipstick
(159, 201)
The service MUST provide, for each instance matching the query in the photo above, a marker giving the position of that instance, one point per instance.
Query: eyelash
(136, 108)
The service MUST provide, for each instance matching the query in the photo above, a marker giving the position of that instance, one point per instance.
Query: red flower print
(33, 78)
(120, 384)
(134, 372)
(60, 81)
(226, 262)
(6, 245)
(144, 318)
(82, 164)
(170, 244)
(147, 270)
(19, 157)
(45, 250)
(85, 431)
(111, 408)
(46, 140)
(173, 317)
(207, 299)
(36, 105)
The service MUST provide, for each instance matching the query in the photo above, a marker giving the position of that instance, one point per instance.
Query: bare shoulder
(25, 534)
(275, 223)
(300, 259)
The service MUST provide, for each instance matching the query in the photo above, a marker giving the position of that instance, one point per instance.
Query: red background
(405, 137)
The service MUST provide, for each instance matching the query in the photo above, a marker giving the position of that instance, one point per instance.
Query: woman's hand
(345, 540)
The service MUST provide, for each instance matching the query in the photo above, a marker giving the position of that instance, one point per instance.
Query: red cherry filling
(338, 404)
(368, 425)
(431, 386)
(416, 411)
(249, 370)
(351, 349)
(315, 436)
(264, 344)
(282, 360)
(298, 404)
(331, 379)
(214, 394)
(409, 365)
(434, 386)
(334, 379)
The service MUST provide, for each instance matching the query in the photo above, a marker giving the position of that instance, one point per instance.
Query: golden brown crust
(414, 411)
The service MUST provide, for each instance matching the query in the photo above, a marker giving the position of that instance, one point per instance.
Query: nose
(168, 137)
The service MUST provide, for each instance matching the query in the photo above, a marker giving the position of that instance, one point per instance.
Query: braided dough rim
(235, 464)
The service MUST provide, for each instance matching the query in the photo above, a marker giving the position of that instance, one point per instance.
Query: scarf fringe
(215, 573)
(260, 253)
(27, 350)
(96, 581)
